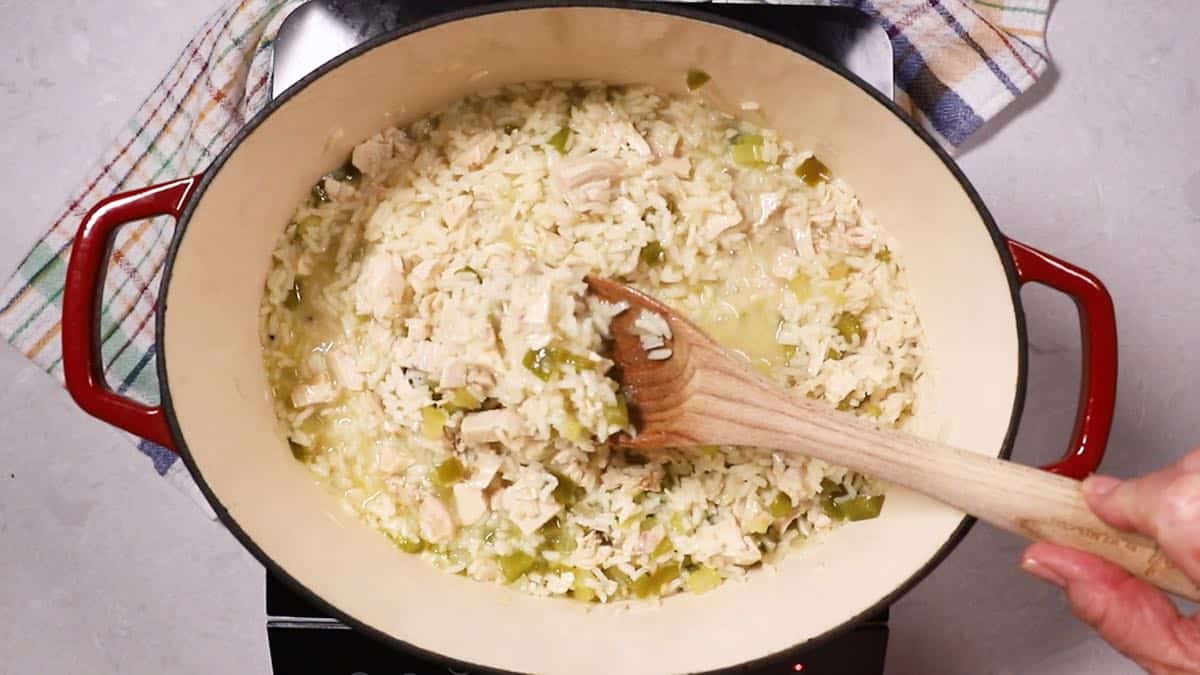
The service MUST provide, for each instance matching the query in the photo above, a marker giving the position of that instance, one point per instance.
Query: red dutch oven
(965, 278)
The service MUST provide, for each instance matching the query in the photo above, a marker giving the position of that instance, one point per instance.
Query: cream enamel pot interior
(215, 412)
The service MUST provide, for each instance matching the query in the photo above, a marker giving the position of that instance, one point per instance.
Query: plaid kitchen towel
(958, 62)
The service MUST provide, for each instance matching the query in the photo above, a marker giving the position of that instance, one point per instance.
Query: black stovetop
(306, 641)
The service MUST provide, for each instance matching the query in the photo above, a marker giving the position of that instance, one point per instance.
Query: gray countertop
(104, 567)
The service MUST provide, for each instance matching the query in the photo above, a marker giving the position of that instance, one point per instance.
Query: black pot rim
(781, 657)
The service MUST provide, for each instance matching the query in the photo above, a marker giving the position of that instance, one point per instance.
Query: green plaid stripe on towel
(957, 63)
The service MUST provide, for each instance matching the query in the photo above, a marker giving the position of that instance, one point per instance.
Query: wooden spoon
(703, 395)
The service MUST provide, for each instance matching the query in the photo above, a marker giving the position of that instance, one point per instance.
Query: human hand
(1130, 614)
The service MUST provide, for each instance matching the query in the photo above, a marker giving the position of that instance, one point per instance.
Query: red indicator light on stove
(798, 667)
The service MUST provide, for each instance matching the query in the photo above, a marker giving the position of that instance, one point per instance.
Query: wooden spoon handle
(736, 409)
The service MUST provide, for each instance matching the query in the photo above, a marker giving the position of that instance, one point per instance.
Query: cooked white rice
(436, 360)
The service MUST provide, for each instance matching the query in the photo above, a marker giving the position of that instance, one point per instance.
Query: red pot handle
(1098, 323)
(82, 364)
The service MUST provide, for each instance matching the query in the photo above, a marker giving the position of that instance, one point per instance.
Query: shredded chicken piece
(424, 355)
(319, 390)
(785, 265)
(454, 374)
(488, 426)
(455, 210)
(477, 152)
(422, 278)
(344, 368)
(636, 141)
(424, 269)
(402, 146)
(369, 156)
(664, 139)
(484, 569)
(858, 237)
(796, 221)
(555, 246)
(642, 543)
(379, 338)
(339, 191)
(470, 502)
(734, 545)
(393, 460)
(381, 285)
(481, 376)
(768, 204)
(305, 265)
(680, 166)
(529, 501)
(615, 133)
(729, 216)
(589, 552)
(437, 525)
(586, 182)
(487, 464)
(538, 312)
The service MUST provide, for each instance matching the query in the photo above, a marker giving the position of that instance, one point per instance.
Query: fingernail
(1042, 572)
(1098, 486)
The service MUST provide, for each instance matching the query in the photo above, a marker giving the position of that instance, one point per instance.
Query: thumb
(1132, 616)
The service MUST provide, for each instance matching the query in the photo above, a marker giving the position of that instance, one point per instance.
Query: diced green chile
(318, 195)
(294, 296)
(697, 78)
(703, 580)
(665, 546)
(347, 173)
(617, 414)
(813, 171)
(653, 254)
(540, 363)
(862, 507)
(459, 399)
(448, 472)
(652, 584)
(831, 489)
(831, 509)
(780, 506)
(410, 545)
(308, 223)
(545, 362)
(580, 590)
(557, 538)
(848, 326)
(830, 492)
(515, 564)
(747, 150)
(433, 421)
(559, 140)
(567, 492)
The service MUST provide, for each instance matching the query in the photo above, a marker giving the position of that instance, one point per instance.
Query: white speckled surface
(106, 568)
